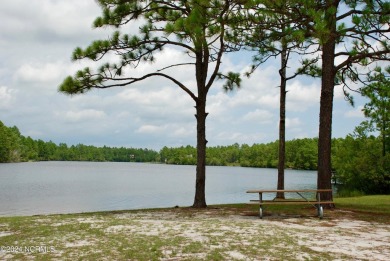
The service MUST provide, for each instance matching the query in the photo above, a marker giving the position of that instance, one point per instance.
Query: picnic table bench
(317, 203)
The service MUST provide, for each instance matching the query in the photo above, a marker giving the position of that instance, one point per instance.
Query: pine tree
(197, 27)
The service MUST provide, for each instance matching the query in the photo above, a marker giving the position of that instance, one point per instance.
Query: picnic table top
(287, 190)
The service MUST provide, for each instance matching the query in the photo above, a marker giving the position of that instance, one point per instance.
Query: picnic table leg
(261, 206)
(320, 209)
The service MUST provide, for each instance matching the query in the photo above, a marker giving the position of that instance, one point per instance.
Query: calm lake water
(71, 187)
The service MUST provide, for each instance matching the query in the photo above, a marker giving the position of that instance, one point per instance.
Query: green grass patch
(377, 204)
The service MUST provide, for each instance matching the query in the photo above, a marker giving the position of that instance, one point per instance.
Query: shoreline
(93, 212)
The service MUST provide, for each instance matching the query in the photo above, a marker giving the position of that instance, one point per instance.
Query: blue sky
(36, 43)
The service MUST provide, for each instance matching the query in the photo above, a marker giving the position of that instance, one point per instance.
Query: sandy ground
(357, 240)
(340, 238)
(215, 234)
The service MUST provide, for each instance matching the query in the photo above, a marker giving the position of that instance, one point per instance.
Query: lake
(33, 188)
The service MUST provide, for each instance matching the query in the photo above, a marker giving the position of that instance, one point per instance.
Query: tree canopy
(377, 109)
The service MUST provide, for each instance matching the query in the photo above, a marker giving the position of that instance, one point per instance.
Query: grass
(377, 204)
(216, 233)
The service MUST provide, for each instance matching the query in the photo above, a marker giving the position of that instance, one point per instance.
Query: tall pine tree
(197, 27)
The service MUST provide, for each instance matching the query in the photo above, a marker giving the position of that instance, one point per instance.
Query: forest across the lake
(300, 153)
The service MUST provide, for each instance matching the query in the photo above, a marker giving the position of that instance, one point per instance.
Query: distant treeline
(14, 147)
(300, 154)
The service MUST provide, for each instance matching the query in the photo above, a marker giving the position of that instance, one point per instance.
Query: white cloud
(262, 116)
(260, 90)
(293, 122)
(184, 132)
(227, 138)
(84, 115)
(40, 73)
(219, 104)
(301, 97)
(270, 101)
(145, 97)
(338, 92)
(150, 129)
(47, 20)
(164, 103)
(355, 113)
(6, 97)
(173, 130)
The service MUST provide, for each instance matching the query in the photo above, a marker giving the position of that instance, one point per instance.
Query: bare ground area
(190, 234)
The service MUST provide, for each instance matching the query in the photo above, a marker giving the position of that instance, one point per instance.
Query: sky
(37, 39)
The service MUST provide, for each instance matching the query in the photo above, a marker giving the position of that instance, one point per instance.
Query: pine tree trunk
(201, 75)
(324, 179)
(200, 194)
(282, 125)
(325, 131)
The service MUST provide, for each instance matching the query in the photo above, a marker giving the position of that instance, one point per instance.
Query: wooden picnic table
(317, 203)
